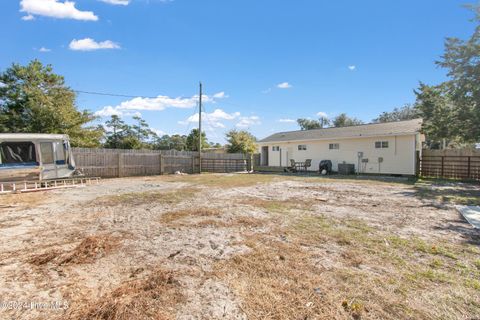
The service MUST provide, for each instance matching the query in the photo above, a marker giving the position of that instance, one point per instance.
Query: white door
(283, 157)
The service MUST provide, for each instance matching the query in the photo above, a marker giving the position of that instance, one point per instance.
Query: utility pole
(200, 131)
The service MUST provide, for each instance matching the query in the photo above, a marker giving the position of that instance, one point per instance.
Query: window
(46, 150)
(59, 153)
(17, 152)
(334, 146)
(276, 148)
(302, 147)
(381, 144)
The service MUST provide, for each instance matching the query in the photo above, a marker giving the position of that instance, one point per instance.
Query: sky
(263, 64)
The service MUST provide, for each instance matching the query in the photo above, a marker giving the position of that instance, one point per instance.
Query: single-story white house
(379, 148)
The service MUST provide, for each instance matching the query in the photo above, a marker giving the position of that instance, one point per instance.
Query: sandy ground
(53, 224)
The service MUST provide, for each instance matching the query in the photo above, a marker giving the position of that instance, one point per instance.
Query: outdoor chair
(308, 164)
(293, 165)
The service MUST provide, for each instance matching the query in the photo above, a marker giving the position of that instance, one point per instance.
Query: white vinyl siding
(398, 158)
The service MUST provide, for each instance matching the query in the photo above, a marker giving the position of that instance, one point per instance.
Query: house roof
(32, 136)
(366, 130)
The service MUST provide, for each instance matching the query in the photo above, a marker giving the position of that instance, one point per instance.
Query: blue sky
(263, 63)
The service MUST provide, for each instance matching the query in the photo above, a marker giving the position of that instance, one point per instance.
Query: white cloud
(287, 121)
(28, 17)
(352, 68)
(213, 119)
(111, 111)
(246, 122)
(54, 9)
(220, 95)
(131, 107)
(89, 44)
(322, 114)
(284, 85)
(156, 104)
(117, 2)
(43, 49)
(158, 132)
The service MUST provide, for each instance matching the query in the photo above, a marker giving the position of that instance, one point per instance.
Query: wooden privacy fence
(450, 164)
(110, 163)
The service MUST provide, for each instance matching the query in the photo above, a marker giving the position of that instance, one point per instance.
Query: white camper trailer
(29, 157)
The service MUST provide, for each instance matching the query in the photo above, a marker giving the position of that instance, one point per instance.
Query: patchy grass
(238, 222)
(207, 217)
(279, 206)
(222, 180)
(374, 274)
(46, 257)
(448, 191)
(87, 251)
(22, 200)
(276, 281)
(153, 297)
(363, 179)
(148, 197)
(91, 249)
(173, 217)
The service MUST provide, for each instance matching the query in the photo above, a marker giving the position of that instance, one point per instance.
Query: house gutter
(342, 138)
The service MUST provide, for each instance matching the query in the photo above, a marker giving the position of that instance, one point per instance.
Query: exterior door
(264, 156)
(283, 157)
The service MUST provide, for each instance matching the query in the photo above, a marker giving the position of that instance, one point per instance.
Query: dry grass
(174, 217)
(23, 200)
(222, 180)
(91, 249)
(276, 281)
(88, 251)
(348, 269)
(208, 217)
(239, 222)
(154, 297)
(149, 197)
(46, 257)
(279, 206)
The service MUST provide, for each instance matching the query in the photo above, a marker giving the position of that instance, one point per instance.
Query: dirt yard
(240, 247)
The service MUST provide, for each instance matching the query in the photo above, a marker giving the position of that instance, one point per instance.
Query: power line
(122, 95)
(112, 94)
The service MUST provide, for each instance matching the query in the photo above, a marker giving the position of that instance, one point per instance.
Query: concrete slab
(471, 214)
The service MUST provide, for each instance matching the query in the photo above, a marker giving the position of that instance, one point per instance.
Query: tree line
(35, 99)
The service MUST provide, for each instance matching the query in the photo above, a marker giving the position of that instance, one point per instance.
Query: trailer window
(59, 153)
(46, 149)
(17, 152)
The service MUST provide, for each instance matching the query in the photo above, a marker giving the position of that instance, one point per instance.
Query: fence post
(193, 164)
(469, 168)
(120, 164)
(162, 165)
(417, 167)
(443, 166)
